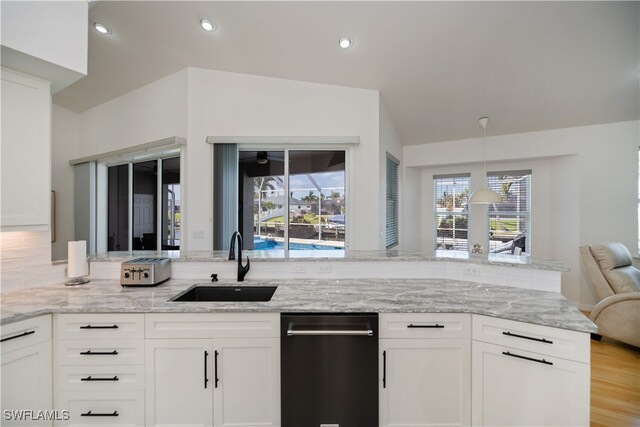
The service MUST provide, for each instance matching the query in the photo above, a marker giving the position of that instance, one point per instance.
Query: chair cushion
(611, 255)
(623, 279)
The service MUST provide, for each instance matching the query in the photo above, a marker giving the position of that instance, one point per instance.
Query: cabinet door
(513, 387)
(247, 390)
(26, 382)
(26, 152)
(179, 382)
(425, 382)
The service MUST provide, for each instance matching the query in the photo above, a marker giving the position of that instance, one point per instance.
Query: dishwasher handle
(335, 332)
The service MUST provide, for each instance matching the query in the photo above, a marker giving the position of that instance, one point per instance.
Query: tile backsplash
(25, 260)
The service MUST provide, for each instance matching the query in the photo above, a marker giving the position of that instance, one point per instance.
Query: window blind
(392, 201)
(510, 220)
(451, 211)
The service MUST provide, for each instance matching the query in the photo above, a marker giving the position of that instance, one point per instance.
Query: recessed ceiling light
(207, 25)
(101, 28)
(345, 42)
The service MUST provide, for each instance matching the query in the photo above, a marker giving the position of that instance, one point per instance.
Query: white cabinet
(100, 369)
(525, 375)
(425, 374)
(198, 374)
(180, 381)
(25, 152)
(26, 370)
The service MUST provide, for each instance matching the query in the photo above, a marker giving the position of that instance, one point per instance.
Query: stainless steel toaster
(145, 271)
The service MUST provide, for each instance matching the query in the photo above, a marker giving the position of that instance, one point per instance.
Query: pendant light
(484, 196)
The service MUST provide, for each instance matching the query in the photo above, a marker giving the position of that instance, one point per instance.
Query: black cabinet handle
(411, 325)
(215, 369)
(98, 353)
(90, 378)
(527, 338)
(206, 380)
(99, 327)
(100, 414)
(506, 353)
(18, 336)
(384, 369)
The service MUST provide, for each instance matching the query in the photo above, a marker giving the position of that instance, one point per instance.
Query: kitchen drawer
(99, 326)
(425, 325)
(26, 332)
(102, 408)
(101, 378)
(546, 340)
(212, 325)
(100, 352)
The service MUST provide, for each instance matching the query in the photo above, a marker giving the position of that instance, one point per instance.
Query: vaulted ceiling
(439, 66)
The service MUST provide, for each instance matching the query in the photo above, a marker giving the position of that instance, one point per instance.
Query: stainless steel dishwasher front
(329, 370)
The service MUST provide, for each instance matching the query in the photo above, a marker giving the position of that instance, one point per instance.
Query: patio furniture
(617, 284)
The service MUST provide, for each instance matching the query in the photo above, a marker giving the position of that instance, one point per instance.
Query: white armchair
(617, 284)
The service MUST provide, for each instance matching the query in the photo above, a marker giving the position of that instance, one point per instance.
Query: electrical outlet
(324, 268)
(472, 270)
(298, 268)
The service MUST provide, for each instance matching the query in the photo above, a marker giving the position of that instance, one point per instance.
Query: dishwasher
(329, 370)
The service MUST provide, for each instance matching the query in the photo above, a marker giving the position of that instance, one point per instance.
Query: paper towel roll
(77, 259)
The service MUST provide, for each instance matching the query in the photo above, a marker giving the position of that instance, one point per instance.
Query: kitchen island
(450, 352)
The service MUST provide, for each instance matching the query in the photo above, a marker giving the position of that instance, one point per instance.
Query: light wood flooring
(615, 384)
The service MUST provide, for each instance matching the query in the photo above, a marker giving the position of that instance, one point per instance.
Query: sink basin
(226, 293)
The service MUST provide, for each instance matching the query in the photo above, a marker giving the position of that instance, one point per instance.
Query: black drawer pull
(98, 353)
(528, 338)
(17, 336)
(90, 378)
(99, 327)
(206, 377)
(100, 414)
(411, 325)
(215, 369)
(384, 369)
(506, 353)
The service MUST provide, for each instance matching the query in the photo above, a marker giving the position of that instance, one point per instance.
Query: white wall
(150, 113)
(389, 143)
(231, 104)
(65, 139)
(584, 188)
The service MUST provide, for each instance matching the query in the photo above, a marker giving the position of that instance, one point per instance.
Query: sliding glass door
(292, 199)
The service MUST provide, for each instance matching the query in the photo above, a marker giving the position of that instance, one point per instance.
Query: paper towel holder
(78, 265)
(74, 281)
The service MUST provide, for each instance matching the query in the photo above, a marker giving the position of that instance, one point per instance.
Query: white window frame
(103, 188)
(349, 180)
(392, 195)
(525, 213)
(466, 214)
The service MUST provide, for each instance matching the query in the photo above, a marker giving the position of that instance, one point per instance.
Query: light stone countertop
(320, 296)
(504, 260)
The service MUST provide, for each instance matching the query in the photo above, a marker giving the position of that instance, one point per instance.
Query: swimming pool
(262, 244)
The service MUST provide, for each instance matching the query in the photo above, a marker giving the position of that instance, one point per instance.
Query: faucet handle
(214, 277)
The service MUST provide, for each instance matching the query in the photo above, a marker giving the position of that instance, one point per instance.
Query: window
(392, 201)
(304, 210)
(137, 193)
(510, 220)
(451, 195)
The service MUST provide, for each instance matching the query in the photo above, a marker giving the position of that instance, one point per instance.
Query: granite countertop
(326, 296)
(505, 260)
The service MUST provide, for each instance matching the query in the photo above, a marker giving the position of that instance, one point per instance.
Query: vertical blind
(392, 201)
(510, 220)
(451, 197)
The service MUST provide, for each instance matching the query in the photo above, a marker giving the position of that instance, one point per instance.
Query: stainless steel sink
(225, 293)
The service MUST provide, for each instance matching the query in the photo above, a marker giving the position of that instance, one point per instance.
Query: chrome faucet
(242, 269)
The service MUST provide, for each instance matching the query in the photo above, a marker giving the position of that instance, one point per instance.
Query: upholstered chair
(617, 285)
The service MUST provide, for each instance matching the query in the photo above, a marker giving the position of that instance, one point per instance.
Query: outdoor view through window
(315, 218)
(452, 211)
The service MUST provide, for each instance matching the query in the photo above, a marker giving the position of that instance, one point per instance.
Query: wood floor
(615, 384)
